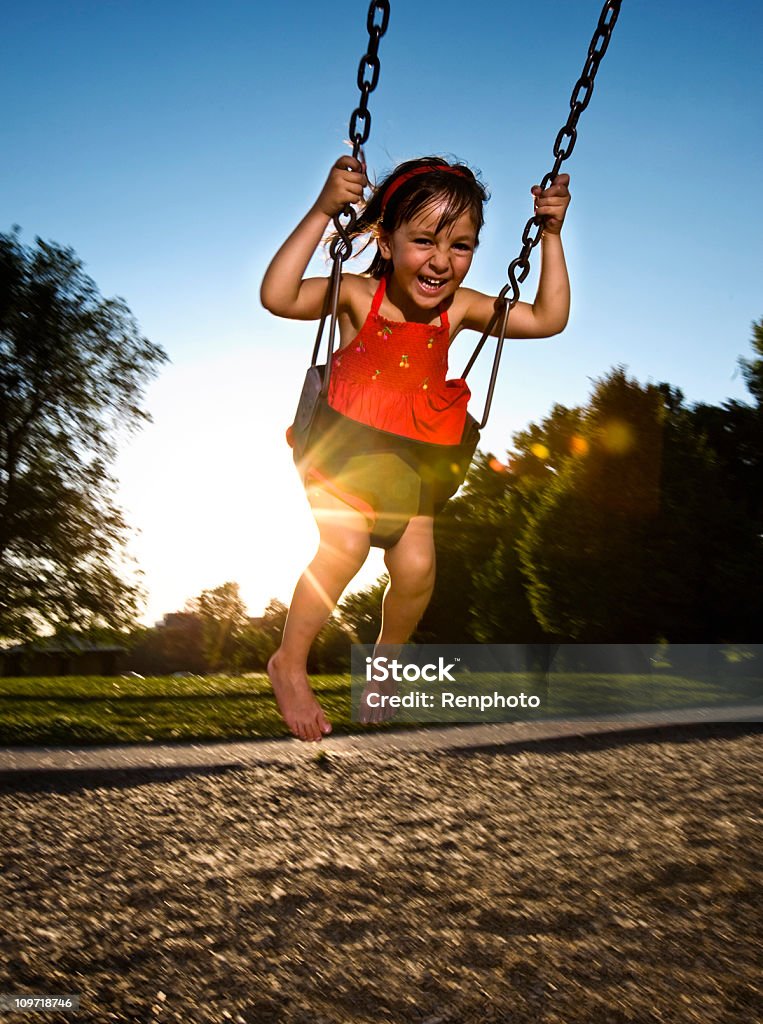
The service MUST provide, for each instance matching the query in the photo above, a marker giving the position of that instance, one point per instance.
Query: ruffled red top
(393, 377)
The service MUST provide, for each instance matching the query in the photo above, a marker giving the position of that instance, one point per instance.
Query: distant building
(177, 620)
(51, 656)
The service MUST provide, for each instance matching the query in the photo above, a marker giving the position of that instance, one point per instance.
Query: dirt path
(582, 881)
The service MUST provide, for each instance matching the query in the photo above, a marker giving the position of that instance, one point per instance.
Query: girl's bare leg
(343, 548)
(411, 565)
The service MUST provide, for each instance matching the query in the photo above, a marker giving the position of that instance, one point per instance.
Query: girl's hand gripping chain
(285, 291)
(552, 203)
(344, 185)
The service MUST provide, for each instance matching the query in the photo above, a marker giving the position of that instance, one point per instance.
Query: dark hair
(461, 192)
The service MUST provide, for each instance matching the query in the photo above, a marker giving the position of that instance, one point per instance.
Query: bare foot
(373, 707)
(296, 701)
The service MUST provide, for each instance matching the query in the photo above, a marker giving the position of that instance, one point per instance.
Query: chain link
(564, 144)
(360, 120)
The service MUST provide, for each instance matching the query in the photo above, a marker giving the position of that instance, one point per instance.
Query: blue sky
(173, 146)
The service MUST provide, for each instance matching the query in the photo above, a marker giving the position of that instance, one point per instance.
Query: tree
(652, 533)
(752, 369)
(360, 612)
(585, 550)
(332, 649)
(501, 611)
(223, 616)
(259, 639)
(465, 537)
(73, 367)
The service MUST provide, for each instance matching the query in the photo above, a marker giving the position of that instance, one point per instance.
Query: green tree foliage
(752, 369)
(466, 533)
(215, 634)
(329, 653)
(331, 650)
(585, 546)
(73, 367)
(708, 559)
(501, 611)
(651, 533)
(634, 519)
(734, 432)
(223, 616)
(260, 638)
(360, 612)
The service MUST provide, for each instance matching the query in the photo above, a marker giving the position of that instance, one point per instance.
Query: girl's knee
(417, 568)
(350, 547)
(344, 533)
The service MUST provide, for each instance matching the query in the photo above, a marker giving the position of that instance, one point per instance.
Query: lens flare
(578, 445)
(497, 466)
(618, 437)
(540, 451)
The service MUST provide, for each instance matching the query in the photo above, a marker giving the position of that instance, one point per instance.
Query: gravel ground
(602, 880)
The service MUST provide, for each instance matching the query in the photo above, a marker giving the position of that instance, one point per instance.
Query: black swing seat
(395, 477)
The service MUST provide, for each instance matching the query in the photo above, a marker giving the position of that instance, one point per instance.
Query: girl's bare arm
(549, 313)
(284, 290)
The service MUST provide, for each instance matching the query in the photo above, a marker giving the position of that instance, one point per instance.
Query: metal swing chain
(360, 120)
(360, 128)
(596, 51)
(509, 295)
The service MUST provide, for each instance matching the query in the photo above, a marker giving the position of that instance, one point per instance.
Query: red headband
(426, 169)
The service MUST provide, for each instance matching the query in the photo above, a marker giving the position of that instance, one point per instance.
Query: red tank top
(392, 376)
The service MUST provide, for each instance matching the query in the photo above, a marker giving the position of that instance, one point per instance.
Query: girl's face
(428, 265)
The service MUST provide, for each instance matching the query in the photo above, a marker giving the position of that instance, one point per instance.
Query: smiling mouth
(431, 284)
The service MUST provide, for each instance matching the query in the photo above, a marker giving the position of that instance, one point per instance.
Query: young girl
(396, 321)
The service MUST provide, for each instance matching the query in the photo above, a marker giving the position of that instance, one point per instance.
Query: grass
(98, 709)
(82, 710)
